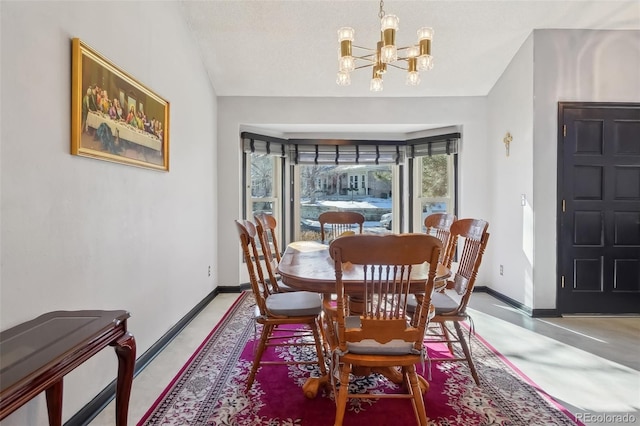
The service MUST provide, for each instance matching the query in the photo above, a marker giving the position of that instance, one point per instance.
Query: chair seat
(285, 288)
(440, 301)
(295, 303)
(371, 347)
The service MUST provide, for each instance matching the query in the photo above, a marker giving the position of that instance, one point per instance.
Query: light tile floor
(591, 365)
(155, 377)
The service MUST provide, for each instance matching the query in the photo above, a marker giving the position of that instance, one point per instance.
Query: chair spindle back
(439, 225)
(391, 263)
(260, 287)
(266, 231)
(474, 236)
(339, 223)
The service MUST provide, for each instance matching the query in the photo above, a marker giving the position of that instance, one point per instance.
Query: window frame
(277, 198)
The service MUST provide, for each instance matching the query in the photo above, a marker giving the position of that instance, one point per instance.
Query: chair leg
(414, 388)
(264, 336)
(316, 327)
(467, 352)
(343, 394)
(324, 331)
(447, 336)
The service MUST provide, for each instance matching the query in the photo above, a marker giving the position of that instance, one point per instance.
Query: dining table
(308, 266)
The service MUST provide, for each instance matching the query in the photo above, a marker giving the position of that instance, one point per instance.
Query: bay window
(297, 179)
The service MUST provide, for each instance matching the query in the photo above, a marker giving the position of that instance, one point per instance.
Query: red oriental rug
(209, 389)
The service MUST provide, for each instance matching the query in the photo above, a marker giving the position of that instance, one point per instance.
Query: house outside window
(345, 191)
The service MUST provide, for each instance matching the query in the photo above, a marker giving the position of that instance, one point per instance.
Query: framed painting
(113, 116)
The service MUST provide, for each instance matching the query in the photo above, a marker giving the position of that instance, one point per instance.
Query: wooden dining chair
(383, 335)
(449, 311)
(339, 223)
(274, 310)
(439, 225)
(266, 230)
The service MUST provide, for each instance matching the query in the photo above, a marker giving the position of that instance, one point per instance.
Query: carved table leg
(125, 348)
(313, 384)
(54, 403)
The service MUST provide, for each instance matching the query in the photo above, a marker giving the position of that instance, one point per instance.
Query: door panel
(599, 218)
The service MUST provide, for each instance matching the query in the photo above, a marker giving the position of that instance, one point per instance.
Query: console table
(36, 355)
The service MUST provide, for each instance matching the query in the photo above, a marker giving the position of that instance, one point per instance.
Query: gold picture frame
(113, 116)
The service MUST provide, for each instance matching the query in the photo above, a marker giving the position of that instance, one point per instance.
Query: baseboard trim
(534, 313)
(100, 401)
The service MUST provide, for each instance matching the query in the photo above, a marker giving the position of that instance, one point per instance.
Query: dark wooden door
(599, 208)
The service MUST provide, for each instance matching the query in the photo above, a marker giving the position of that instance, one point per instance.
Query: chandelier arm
(397, 66)
(368, 49)
(368, 58)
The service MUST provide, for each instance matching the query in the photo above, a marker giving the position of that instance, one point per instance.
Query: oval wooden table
(307, 266)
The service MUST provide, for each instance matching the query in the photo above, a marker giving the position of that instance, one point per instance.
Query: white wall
(511, 242)
(79, 233)
(469, 113)
(580, 66)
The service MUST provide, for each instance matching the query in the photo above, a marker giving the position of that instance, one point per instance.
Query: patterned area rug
(209, 389)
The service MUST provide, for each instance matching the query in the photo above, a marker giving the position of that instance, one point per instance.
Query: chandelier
(386, 54)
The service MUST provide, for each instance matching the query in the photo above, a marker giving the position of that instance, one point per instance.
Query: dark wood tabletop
(307, 265)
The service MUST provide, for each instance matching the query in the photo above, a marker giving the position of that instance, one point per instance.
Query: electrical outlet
(501, 270)
(209, 271)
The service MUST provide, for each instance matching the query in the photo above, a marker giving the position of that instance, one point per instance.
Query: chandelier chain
(381, 13)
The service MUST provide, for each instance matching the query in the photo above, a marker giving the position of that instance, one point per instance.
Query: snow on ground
(367, 203)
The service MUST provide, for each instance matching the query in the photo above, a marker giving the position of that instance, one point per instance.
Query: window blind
(348, 153)
(433, 145)
(329, 151)
(266, 145)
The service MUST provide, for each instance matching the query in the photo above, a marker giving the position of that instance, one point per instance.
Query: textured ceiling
(290, 48)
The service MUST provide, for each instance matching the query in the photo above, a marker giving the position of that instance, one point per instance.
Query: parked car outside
(385, 220)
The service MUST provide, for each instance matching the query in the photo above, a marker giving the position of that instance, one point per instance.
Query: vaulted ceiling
(290, 47)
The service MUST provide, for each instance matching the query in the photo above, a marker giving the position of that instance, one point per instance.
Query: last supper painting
(114, 117)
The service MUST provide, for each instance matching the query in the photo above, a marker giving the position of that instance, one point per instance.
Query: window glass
(262, 172)
(263, 192)
(434, 179)
(366, 189)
